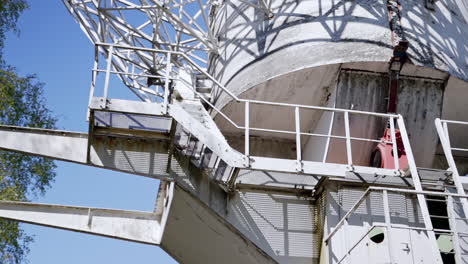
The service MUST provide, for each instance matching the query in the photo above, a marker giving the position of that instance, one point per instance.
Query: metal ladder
(421, 197)
(442, 130)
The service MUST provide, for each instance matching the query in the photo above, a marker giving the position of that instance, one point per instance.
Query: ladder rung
(436, 200)
(443, 231)
(451, 253)
(439, 216)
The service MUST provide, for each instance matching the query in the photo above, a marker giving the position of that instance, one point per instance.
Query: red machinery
(382, 156)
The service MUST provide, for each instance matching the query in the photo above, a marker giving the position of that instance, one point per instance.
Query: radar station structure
(281, 131)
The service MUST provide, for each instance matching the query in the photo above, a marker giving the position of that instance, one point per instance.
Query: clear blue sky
(52, 45)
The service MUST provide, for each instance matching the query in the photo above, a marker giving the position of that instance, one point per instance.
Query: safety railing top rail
(443, 132)
(443, 124)
(122, 70)
(241, 100)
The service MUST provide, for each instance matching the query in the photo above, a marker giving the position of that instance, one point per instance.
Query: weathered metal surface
(299, 35)
(126, 106)
(132, 121)
(143, 227)
(428, 32)
(419, 101)
(61, 145)
(284, 226)
(358, 91)
(196, 234)
(142, 157)
(147, 158)
(408, 245)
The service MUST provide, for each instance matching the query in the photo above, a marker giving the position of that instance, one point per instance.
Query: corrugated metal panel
(282, 225)
(272, 178)
(133, 156)
(413, 210)
(358, 91)
(419, 101)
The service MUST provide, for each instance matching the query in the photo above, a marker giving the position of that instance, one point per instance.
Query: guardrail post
(327, 144)
(348, 139)
(247, 129)
(108, 69)
(345, 235)
(93, 78)
(388, 223)
(394, 143)
(298, 134)
(167, 82)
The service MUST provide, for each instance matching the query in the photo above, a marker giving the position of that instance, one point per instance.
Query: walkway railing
(129, 71)
(451, 200)
(442, 127)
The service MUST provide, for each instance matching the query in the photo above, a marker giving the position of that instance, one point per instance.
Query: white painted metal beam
(148, 159)
(193, 116)
(143, 227)
(60, 145)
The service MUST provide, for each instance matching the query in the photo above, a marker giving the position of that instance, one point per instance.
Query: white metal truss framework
(178, 25)
(172, 25)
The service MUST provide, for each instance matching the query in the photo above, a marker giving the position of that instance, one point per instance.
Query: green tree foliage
(10, 10)
(21, 104)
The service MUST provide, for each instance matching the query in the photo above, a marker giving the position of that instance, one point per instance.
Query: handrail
(396, 190)
(247, 126)
(240, 100)
(388, 225)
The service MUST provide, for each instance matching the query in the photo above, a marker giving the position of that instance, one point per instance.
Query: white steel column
(394, 143)
(348, 139)
(418, 187)
(247, 129)
(388, 224)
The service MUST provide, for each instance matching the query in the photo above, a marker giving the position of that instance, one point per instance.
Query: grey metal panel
(358, 91)
(420, 100)
(126, 106)
(132, 121)
(132, 156)
(277, 179)
(194, 234)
